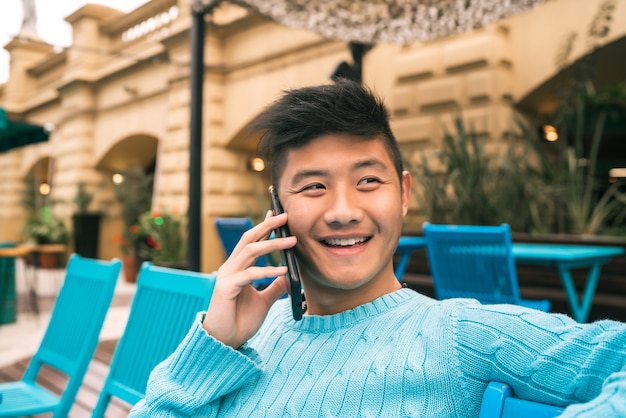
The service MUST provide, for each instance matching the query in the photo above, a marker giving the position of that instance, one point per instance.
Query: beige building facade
(119, 98)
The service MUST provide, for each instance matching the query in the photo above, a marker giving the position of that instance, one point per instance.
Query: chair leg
(101, 406)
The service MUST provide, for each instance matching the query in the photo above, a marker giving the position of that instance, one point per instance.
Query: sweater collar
(327, 323)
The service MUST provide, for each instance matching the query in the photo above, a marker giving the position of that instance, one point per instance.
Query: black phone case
(289, 258)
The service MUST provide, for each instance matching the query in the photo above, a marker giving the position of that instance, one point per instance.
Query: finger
(269, 214)
(261, 248)
(264, 229)
(275, 290)
(248, 255)
(232, 284)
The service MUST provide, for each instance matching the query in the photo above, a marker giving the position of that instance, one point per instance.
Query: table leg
(580, 308)
(402, 264)
(30, 279)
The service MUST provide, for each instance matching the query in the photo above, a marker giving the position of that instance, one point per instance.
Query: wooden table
(31, 255)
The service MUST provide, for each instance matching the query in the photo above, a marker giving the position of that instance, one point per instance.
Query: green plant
(475, 187)
(161, 237)
(524, 186)
(588, 207)
(44, 228)
(83, 198)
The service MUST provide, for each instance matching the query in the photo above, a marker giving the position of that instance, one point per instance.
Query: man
(365, 346)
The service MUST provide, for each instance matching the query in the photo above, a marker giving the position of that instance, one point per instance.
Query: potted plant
(160, 238)
(45, 228)
(86, 224)
(50, 236)
(524, 186)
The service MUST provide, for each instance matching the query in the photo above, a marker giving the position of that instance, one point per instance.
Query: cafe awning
(373, 21)
(15, 134)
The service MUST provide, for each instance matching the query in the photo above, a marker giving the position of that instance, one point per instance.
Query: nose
(344, 208)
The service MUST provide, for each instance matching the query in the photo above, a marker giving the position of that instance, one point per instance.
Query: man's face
(345, 204)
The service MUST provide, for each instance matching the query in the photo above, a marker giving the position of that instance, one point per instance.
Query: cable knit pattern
(402, 355)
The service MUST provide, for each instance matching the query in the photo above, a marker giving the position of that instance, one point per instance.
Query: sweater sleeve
(192, 380)
(547, 358)
(611, 402)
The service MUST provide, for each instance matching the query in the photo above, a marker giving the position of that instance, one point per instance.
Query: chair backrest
(230, 231)
(76, 320)
(164, 306)
(472, 262)
(499, 401)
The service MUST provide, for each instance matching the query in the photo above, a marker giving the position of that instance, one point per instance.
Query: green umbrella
(14, 134)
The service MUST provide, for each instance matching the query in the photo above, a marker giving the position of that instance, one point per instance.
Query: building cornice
(30, 44)
(22, 110)
(75, 83)
(48, 64)
(119, 24)
(95, 11)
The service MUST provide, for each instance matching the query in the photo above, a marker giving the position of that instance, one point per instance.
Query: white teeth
(344, 242)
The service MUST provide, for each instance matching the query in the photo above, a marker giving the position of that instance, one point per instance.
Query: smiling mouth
(345, 242)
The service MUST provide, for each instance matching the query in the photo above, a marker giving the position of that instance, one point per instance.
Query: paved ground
(21, 339)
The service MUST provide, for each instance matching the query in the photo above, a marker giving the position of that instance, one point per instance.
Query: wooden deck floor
(90, 389)
(94, 379)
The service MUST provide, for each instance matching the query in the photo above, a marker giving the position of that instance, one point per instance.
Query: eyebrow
(301, 175)
(304, 174)
(374, 162)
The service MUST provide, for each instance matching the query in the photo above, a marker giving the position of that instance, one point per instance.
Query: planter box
(86, 234)
(8, 308)
(538, 281)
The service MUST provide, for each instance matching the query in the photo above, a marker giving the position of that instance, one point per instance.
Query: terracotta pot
(48, 260)
(49, 256)
(129, 268)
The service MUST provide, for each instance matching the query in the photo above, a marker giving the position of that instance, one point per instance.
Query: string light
(118, 178)
(44, 189)
(550, 133)
(257, 164)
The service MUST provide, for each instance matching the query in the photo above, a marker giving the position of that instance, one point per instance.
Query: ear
(406, 191)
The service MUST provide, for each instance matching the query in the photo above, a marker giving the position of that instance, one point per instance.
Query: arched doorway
(129, 168)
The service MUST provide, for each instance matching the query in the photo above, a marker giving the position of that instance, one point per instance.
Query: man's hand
(237, 309)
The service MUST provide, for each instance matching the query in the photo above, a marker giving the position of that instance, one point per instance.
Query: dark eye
(369, 181)
(313, 189)
(369, 184)
(315, 186)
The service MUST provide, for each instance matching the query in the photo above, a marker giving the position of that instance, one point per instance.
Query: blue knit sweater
(402, 355)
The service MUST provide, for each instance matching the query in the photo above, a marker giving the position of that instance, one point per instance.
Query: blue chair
(164, 306)
(230, 231)
(471, 261)
(70, 339)
(499, 402)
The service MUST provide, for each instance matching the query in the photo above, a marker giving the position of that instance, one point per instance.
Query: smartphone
(288, 258)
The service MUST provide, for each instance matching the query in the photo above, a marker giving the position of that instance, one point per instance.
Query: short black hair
(304, 114)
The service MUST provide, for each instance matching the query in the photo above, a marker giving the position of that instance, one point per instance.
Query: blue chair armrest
(499, 402)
